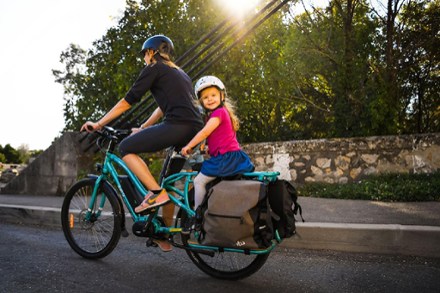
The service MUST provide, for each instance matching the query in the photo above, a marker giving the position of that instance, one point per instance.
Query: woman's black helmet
(158, 43)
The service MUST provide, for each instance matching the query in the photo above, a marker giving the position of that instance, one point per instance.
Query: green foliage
(35, 153)
(21, 155)
(336, 71)
(388, 187)
(10, 155)
(96, 79)
(154, 163)
(331, 81)
(419, 72)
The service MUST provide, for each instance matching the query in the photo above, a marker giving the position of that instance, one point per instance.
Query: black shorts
(158, 137)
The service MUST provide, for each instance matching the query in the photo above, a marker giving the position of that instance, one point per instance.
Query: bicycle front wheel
(223, 265)
(92, 234)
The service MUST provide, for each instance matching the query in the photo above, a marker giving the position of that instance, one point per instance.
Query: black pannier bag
(236, 214)
(283, 202)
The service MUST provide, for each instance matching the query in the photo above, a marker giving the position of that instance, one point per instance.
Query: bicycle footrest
(201, 251)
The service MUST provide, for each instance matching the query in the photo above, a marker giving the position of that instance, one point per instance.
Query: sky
(33, 33)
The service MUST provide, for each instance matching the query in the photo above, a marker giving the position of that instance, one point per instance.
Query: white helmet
(206, 82)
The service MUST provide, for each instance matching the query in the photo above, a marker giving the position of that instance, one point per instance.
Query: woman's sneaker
(152, 201)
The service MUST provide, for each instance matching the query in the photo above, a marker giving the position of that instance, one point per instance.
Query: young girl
(227, 158)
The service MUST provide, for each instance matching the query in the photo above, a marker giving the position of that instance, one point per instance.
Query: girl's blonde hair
(230, 107)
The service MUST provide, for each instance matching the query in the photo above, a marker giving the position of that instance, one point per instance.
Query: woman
(171, 88)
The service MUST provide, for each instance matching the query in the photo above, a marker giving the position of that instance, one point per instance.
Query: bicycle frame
(109, 173)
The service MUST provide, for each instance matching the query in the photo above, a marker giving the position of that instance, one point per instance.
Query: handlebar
(113, 135)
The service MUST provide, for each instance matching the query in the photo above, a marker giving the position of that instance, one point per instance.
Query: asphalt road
(37, 259)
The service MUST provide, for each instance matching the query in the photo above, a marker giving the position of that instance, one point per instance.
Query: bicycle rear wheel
(95, 237)
(223, 265)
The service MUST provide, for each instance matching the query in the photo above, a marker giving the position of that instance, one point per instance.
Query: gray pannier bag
(236, 214)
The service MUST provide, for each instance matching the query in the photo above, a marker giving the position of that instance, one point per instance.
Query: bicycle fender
(112, 192)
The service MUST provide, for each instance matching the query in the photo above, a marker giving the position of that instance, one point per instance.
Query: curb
(31, 215)
(371, 238)
(397, 239)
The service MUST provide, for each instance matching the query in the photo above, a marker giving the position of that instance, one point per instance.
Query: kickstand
(150, 242)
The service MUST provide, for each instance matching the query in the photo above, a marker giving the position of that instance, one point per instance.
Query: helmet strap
(152, 56)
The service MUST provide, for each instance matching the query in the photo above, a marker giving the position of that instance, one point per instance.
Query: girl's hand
(186, 151)
(90, 126)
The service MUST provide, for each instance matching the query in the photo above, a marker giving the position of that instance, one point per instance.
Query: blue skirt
(228, 164)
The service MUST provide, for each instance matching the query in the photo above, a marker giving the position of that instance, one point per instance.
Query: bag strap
(297, 207)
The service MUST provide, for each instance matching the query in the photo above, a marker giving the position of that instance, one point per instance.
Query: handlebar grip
(89, 128)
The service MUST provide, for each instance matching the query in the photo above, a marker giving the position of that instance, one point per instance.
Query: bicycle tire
(223, 265)
(91, 239)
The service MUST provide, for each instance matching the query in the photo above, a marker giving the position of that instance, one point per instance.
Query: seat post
(166, 163)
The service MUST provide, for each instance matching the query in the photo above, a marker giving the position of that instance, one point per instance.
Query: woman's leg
(149, 140)
(141, 170)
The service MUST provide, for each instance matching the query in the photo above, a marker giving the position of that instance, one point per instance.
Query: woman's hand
(135, 130)
(186, 151)
(90, 126)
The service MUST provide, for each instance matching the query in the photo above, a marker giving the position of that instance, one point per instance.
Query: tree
(96, 79)
(23, 153)
(11, 155)
(253, 75)
(420, 66)
(2, 155)
(328, 55)
(349, 69)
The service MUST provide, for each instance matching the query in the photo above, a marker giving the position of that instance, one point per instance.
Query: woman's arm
(210, 126)
(115, 112)
(154, 117)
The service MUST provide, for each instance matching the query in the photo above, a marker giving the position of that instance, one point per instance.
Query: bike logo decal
(240, 243)
(152, 199)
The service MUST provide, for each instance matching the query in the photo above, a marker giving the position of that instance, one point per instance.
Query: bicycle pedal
(148, 211)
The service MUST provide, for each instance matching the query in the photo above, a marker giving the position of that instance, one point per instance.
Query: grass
(387, 187)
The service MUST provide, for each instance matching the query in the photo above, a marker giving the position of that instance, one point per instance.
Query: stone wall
(326, 160)
(343, 160)
(54, 171)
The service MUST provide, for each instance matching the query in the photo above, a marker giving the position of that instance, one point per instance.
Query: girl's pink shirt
(223, 139)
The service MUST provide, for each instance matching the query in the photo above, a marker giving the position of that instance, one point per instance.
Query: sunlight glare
(239, 7)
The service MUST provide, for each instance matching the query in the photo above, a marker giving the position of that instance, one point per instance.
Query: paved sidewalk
(347, 225)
